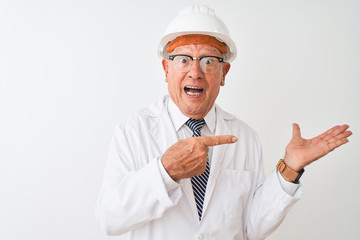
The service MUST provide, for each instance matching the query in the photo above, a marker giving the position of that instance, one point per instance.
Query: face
(194, 92)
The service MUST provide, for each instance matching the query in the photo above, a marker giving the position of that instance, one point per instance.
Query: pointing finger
(217, 140)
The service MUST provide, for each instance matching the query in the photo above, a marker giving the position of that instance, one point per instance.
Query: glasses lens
(183, 63)
(209, 64)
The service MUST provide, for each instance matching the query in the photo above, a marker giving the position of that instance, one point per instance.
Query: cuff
(288, 187)
(170, 184)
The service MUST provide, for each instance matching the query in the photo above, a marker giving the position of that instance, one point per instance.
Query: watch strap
(288, 172)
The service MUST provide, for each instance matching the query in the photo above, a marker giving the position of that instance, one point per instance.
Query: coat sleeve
(134, 191)
(272, 200)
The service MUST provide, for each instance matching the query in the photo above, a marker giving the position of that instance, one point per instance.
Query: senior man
(183, 168)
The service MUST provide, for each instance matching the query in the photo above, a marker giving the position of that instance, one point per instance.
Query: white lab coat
(137, 202)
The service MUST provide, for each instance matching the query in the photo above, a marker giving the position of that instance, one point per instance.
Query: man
(183, 168)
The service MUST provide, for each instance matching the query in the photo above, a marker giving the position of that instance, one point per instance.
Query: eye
(183, 59)
(208, 61)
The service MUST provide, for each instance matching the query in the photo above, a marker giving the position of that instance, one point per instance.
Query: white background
(70, 70)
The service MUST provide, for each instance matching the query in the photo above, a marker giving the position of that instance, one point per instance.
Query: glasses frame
(171, 57)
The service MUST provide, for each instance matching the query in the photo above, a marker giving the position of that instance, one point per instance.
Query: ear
(165, 64)
(226, 69)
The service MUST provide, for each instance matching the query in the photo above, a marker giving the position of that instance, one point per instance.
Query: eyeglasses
(208, 64)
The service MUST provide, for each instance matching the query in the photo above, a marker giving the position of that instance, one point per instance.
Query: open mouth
(193, 91)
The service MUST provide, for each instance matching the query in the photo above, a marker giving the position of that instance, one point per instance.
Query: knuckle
(196, 141)
(203, 155)
(204, 150)
(190, 148)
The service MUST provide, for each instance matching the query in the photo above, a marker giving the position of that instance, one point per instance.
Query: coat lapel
(217, 158)
(164, 134)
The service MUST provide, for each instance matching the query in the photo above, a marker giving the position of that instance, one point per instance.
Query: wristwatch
(288, 172)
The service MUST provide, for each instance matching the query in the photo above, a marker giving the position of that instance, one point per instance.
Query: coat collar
(179, 119)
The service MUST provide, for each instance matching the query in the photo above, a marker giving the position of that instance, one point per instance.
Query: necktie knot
(195, 125)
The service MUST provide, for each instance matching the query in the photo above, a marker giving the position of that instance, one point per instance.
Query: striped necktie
(199, 182)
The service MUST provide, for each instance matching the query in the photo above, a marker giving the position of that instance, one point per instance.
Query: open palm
(301, 152)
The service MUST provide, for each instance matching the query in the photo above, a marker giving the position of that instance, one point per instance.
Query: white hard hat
(198, 19)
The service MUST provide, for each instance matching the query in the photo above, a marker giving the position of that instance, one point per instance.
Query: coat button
(199, 237)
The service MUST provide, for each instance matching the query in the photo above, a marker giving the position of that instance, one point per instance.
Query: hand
(188, 157)
(301, 152)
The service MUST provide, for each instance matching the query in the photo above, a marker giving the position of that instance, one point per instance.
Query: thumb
(296, 131)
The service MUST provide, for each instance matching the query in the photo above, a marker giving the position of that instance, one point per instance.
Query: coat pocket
(235, 190)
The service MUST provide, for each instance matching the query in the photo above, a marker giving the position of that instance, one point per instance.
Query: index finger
(217, 140)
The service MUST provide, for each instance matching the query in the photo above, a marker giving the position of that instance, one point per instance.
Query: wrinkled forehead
(197, 48)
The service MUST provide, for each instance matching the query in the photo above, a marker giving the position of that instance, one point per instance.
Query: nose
(195, 70)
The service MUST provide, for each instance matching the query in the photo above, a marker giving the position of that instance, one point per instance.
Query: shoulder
(155, 109)
(145, 115)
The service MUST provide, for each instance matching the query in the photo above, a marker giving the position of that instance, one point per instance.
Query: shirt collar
(179, 119)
